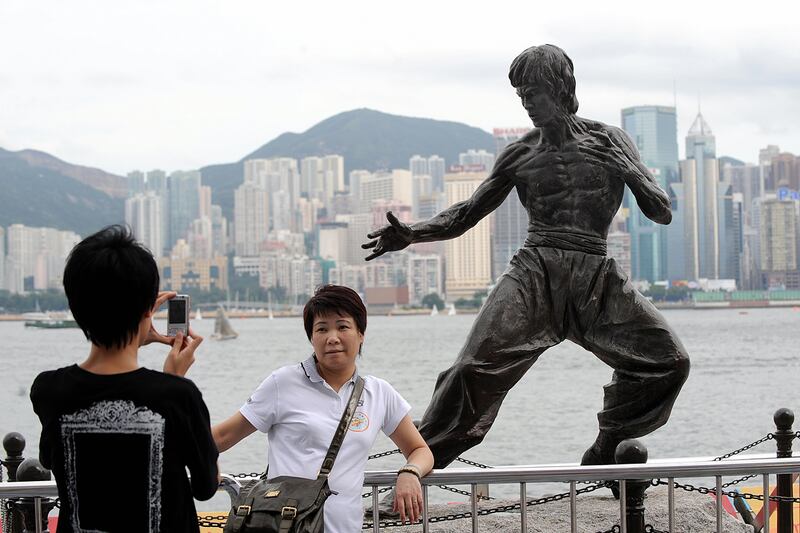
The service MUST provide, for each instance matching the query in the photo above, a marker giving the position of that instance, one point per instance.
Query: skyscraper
(468, 257)
(251, 218)
(184, 203)
(143, 213)
(511, 218)
(779, 243)
(700, 175)
(653, 129)
(436, 168)
(418, 165)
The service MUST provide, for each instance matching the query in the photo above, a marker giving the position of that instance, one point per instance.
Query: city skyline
(131, 92)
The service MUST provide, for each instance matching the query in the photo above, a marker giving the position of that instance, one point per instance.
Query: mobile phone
(178, 315)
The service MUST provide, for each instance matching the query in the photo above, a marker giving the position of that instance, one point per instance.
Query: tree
(431, 299)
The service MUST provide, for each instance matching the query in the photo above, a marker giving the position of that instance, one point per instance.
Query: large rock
(694, 513)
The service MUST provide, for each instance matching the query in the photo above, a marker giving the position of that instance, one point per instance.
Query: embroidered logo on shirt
(360, 422)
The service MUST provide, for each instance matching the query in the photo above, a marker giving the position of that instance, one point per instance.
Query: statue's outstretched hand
(394, 236)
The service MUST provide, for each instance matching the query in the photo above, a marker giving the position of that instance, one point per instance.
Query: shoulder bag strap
(344, 425)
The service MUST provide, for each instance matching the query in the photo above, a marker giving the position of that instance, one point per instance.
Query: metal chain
(207, 521)
(647, 529)
(471, 463)
(380, 491)
(765, 438)
(464, 492)
(4, 518)
(688, 487)
(500, 509)
(247, 475)
(383, 454)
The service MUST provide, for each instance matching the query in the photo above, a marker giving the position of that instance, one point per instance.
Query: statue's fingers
(370, 244)
(377, 233)
(393, 220)
(377, 252)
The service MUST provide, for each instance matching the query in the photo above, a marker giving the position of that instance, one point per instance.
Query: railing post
(32, 470)
(14, 445)
(632, 451)
(783, 437)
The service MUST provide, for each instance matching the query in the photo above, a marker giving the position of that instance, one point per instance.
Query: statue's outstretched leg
(627, 332)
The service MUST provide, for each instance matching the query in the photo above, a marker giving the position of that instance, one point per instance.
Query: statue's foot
(596, 455)
(385, 507)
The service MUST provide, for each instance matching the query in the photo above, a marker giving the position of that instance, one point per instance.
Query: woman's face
(336, 341)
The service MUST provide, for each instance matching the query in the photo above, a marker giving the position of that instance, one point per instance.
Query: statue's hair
(547, 66)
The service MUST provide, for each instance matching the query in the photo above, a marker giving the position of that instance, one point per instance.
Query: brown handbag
(289, 504)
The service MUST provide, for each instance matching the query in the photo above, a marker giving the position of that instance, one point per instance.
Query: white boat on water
(452, 310)
(223, 330)
(198, 315)
(434, 310)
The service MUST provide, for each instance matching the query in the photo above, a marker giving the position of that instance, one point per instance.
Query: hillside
(367, 139)
(36, 193)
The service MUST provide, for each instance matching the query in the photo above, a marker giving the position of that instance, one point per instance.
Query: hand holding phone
(178, 315)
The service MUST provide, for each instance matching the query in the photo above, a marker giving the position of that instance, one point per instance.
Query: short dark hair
(548, 66)
(111, 281)
(339, 299)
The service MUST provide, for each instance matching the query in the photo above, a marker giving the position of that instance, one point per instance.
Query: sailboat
(198, 315)
(269, 305)
(222, 327)
(452, 310)
(434, 310)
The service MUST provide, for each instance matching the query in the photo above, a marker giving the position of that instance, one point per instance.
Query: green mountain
(43, 191)
(367, 139)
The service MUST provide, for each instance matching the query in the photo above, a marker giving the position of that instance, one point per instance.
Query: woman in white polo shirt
(299, 407)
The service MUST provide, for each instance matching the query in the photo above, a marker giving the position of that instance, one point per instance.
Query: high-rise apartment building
(219, 231)
(184, 203)
(653, 129)
(468, 257)
(418, 165)
(144, 214)
(436, 169)
(765, 155)
(476, 158)
(779, 243)
(394, 185)
(700, 176)
(424, 276)
(358, 225)
(136, 183)
(511, 218)
(36, 257)
(2, 259)
(251, 218)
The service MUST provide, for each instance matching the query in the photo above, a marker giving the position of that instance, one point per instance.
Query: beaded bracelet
(411, 469)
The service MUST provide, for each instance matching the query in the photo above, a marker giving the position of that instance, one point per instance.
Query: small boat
(222, 327)
(434, 310)
(50, 321)
(198, 315)
(452, 310)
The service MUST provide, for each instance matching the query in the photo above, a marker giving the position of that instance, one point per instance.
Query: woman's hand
(408, 497)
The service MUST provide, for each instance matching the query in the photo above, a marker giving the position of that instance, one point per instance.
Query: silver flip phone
(178, 315)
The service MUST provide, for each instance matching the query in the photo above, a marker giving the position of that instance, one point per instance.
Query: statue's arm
(650, 197)
(458, 218)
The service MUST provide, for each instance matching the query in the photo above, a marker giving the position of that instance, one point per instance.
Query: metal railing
(522, 475)
(574, 474)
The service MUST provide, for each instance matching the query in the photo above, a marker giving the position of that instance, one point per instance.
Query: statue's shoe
(595, 455)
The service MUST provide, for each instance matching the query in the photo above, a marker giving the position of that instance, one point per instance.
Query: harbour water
(745, 365)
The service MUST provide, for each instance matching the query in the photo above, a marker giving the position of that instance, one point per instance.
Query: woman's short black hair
(339, 299)
(111, 281)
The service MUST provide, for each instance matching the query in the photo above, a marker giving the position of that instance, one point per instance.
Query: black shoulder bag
(289, 504)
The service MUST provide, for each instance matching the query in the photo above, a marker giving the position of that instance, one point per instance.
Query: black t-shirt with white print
(119, 446)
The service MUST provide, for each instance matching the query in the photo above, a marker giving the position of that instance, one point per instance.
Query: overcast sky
(182, 84)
